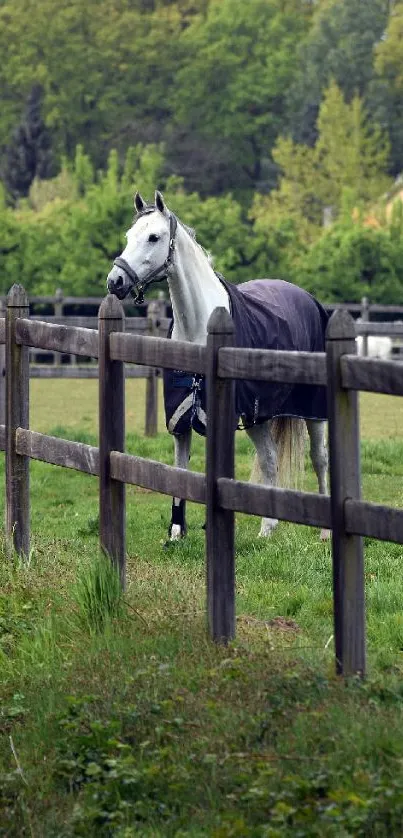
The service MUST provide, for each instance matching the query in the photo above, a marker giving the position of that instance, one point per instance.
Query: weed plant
(99, 595)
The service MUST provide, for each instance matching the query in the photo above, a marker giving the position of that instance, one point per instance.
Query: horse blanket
(268, 314)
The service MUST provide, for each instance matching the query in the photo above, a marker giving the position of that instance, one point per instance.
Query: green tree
(235, 67)
(350, 261)
(350, 152)
(339, 46)
(29, 153)
(386, 91)
(53, 45)
(72, 239)
(86, 55)
(389, 51)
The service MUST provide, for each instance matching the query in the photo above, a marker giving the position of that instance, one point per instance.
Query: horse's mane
(190, 230)
(192, 233)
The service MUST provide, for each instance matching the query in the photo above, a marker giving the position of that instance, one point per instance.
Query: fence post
(17, 416)
(365, 319)
(58, 304)
(2, 372)
(111, 436)
(58, 309)
(219, 463)
(151, 419)
(345, 480)
(161, 303)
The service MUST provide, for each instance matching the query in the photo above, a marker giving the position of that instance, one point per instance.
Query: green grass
(119, 717)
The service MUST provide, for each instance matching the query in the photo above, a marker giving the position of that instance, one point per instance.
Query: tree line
(257, 119)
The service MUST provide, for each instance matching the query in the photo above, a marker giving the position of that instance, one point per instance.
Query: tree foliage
(386, 91)
(350, 261)
(71, 228)
(240, 60)
(254, 118)
(389, 51)
(29, 153)
(216, 80)
(350, 153)
(116, 72)
(339, 46)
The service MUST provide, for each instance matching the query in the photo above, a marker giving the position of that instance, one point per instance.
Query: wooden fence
(349, 517)
(61, 305)
(153, 320)
(154, 323)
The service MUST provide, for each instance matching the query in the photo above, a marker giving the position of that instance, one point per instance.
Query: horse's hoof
(267, 527)
(176, 533)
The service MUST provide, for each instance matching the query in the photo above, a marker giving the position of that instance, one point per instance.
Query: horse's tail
(289, 434)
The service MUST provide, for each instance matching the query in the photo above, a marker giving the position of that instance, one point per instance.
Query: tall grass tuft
(99, 594)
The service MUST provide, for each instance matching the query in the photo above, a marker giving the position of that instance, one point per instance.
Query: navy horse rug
(268, 314)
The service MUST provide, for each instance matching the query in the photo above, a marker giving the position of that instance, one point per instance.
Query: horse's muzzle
(118, 285)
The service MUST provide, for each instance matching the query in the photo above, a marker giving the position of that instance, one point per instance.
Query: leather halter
(156, 275)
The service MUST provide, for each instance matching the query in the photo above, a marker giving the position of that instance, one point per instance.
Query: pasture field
(119, 717)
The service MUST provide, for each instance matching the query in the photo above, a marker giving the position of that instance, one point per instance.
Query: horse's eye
(153, 237)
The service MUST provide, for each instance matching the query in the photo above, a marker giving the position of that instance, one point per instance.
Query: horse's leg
(266, 451)
(177, 528)
(319, 458)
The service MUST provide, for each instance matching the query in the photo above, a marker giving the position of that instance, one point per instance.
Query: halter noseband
(158, 274)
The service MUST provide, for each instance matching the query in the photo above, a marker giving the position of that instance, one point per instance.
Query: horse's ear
(159, 202)
(138, 202)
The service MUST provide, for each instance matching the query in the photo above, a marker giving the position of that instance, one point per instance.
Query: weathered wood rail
(60, 303)
(344, 512)
(43, 340)
(152, 320)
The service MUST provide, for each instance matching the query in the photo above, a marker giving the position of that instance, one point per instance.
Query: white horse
(159, 246)
(378, 346)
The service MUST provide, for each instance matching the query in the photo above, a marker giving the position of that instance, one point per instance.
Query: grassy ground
(119, 718)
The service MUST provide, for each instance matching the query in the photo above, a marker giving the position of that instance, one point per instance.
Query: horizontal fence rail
(159, 477)
(372, 375)
(270, 502)
(57, 451)
(60, 302)
(158, 352)
(44, 337)
(373, 520)
(362, 518)
(137, 325)
(272, 365)
(72, 371)
(70, 339)
(379, 329)
(344, 512)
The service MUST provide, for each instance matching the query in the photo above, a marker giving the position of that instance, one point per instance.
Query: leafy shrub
(350, 261)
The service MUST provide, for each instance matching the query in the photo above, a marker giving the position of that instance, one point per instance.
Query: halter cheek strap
(158, 274)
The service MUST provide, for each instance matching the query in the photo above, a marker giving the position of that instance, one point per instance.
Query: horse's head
(149, 250)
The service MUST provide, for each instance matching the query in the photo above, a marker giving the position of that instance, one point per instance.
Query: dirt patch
(279, 623)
